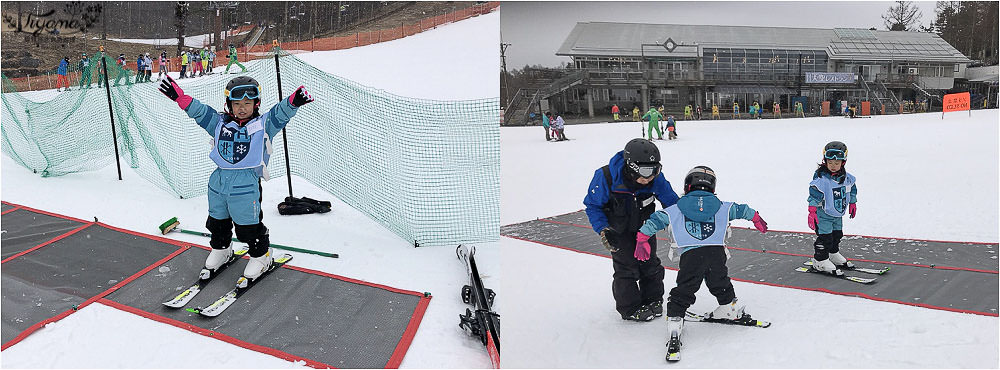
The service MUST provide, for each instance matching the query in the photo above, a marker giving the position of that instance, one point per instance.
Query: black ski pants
(636, 283)
(700, 264)
(826, 244)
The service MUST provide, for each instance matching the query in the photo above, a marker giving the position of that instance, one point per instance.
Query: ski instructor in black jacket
(621, 197)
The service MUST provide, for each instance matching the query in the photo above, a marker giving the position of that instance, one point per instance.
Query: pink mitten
(641, 247)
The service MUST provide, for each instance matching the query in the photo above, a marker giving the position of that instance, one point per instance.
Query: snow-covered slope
(100, 336)
(918, 176)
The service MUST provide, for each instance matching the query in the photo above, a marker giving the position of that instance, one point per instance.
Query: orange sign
(956, 102)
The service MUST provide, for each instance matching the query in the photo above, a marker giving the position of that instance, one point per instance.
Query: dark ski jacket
(620, 207)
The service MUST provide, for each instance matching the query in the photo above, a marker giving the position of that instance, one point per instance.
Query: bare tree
(902, 17)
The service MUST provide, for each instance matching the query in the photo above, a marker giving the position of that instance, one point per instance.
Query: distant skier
(833, 190)
(546, 124)
(98, 59)
(698, 224)
(698, 111)
(147, 67)
(122, 71)
(798, 110)
(635, 113)
(776, 112)
(715, 112)
(211, 60)
(671, 128)
(620, 197)
(233, 55)
(615, 111)
(163, 66)
(84, 67)
(756, 110)
(736, 110)
(560, 126)
(184, 63)
(61, 71)
(242, 147)
(654, 117)
(196, 64)
(140, 71)
(688, 112)
(203, 54)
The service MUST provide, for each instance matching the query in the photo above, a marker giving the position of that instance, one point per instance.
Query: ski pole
(173, 223)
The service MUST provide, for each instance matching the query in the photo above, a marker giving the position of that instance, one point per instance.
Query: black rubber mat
(55, 278)
(296, 313)
(339, 323)
(963, 277)
(24, 229)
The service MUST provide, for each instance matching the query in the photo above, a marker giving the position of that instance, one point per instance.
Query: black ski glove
(169, 88)
(300, 97)
(604, 240)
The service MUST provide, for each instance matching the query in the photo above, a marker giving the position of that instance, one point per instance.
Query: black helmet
(700, 178)
(642, 157)
(835, 150)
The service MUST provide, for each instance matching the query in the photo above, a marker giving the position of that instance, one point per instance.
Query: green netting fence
(427, 170)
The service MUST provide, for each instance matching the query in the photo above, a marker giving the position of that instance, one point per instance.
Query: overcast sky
(535, 30)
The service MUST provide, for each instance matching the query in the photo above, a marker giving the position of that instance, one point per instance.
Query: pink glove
(642, 247)
(853, 209)
(813, 220)
(759, 223)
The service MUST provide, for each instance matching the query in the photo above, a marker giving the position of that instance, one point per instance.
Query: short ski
(845, 277)
(242, 286)
(674, 349)
(858, 269)
(744, 320)
(483, 322)
(204, 278)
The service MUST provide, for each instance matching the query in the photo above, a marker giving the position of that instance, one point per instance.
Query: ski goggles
(645, 169)
(243, 92)
(835, 154)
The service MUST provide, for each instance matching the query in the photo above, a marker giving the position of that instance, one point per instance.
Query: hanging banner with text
(830, 78)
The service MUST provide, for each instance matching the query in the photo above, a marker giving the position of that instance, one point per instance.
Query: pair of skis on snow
(674, 343)
(243, 284)
(483, 323)
(856, 279)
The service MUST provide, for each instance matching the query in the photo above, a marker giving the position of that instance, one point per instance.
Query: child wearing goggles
(832, 194)
(241, 148)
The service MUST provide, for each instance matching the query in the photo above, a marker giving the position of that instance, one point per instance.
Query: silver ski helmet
(700, 178)
(835, 150)
(642, 157)
(242, 87)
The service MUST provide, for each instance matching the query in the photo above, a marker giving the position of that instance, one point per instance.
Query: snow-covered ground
(194, 41)
(104, 337)
(918, 176)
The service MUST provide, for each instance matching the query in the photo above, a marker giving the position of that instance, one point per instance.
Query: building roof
(627, 39)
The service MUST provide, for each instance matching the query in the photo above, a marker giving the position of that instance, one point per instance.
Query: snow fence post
(111, 112)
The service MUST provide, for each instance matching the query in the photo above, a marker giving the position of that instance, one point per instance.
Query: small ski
(744, 320)
(483, 322)
(674, 349)
(242, 286)
(858, 269)
(204, 278)
(845, 277)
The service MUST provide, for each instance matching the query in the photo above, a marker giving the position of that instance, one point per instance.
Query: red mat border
(395, 359)
(810, 256)
(849, 294)
(30, 330)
